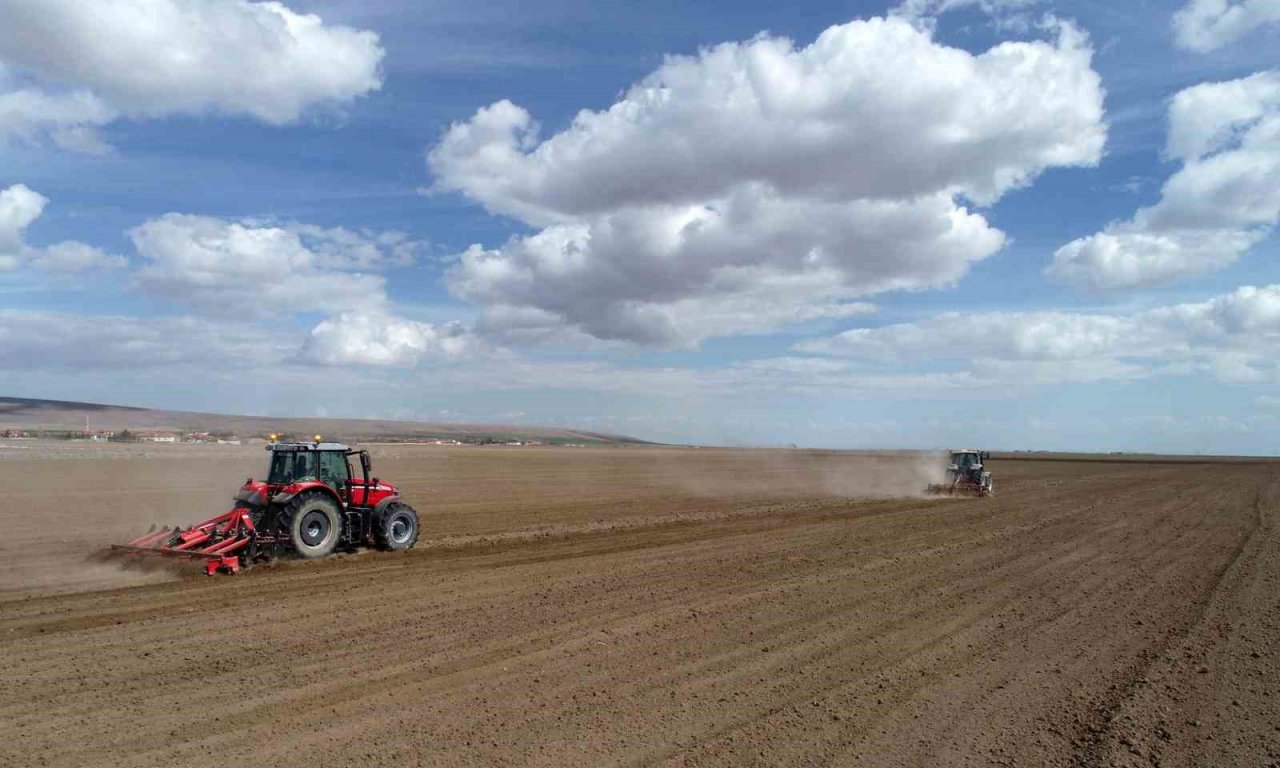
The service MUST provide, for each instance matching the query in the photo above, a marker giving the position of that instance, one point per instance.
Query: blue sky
(1020, 224)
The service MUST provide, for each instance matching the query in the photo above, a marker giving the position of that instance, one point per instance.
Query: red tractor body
(311, 503)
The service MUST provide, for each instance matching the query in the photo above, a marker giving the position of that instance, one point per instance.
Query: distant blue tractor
(966, 476)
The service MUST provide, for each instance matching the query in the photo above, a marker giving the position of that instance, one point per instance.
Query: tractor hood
(381, 487)
(257, 493)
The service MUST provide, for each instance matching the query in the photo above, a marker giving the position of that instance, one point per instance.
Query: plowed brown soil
(646, 606)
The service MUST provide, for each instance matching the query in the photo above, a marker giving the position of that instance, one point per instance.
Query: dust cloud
(767, 473)
(65, 503)
(63, 572)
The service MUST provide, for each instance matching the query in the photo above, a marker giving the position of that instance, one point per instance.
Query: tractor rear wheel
(397, 528)
(314, 524)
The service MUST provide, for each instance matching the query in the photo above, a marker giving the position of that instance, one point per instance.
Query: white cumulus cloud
(1232, 337)
(380, 339)
(1206, 25)
(760, 261)
(706, 199)
(67, 67)
(70, 256)
(39, 340)
(225, 267)
(19, 207)
(70, 119)
(241, 273)
(1005, 14)
(1222, 201)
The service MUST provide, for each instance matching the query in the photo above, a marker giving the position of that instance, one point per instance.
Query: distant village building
(158, 437)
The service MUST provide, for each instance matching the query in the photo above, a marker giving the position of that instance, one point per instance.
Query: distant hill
(59, 415)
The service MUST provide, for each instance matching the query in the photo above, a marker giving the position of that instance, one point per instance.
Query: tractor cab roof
(308, 447)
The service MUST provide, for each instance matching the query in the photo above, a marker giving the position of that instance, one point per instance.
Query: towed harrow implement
(217, 541)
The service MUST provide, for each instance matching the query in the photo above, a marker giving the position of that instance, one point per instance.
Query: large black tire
(314, 524)
(396, 529)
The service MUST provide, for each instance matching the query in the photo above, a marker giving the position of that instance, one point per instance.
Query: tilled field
(645, 606)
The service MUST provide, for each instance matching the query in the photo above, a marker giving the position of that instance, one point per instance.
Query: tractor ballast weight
(967, 475)
(310, 505)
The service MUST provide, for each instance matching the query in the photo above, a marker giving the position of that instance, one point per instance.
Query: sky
(1016, 224)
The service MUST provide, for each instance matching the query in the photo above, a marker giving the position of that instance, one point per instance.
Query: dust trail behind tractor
(966, 476)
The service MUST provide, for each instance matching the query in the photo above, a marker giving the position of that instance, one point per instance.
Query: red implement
(217, 541)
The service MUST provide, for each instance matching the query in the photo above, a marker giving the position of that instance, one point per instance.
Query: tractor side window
(304, 467)
(292, 467)
(333, 469)
(281, 469)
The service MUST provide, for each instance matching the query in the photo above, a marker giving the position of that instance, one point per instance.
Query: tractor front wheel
(397, 528)
(314, 525)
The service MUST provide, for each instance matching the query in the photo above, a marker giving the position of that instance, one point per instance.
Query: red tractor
(311, 504)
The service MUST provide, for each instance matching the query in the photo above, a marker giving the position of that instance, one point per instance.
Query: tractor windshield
(965, 460)
(292, 467)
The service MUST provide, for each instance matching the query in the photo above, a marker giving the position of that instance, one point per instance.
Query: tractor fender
(250, 497)
(382, 506)
(291, 491)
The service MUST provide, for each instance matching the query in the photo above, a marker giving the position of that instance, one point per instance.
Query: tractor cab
(967, 461)
(327, 463)
(967, 475)
(301, 462)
